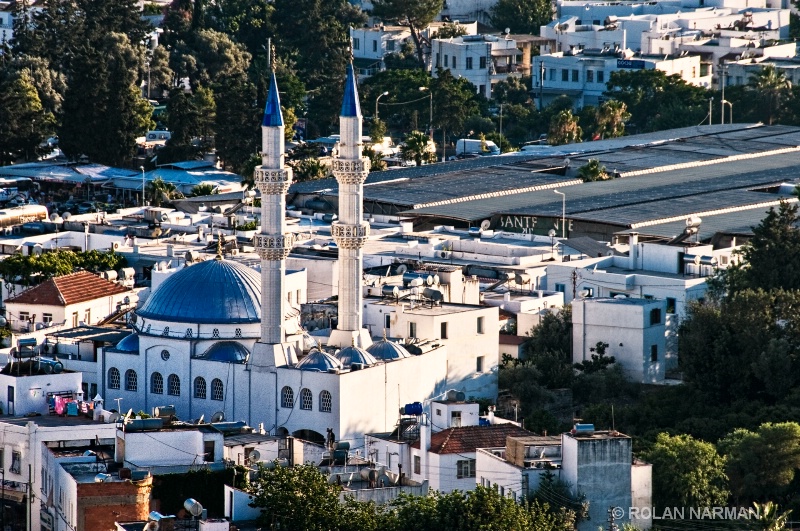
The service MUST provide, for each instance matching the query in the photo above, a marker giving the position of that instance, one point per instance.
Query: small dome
(387, 351)
(226, 351)
(316, 360)
(214, 291)
(351, 355)
(129, 343)
(309, 342)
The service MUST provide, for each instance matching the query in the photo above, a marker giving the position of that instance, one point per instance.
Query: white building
(633, 329)
(480, 59)
(596, 464)
(76, 298)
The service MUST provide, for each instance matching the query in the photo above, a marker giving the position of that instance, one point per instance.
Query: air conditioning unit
(446, 254)
(116, 245)
(234, 251)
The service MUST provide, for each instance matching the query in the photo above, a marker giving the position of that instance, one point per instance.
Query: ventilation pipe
(633, 242)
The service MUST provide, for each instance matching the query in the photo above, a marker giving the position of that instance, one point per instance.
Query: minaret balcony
(350, 236)
(273, 182)
(273, 246)
(348, 171)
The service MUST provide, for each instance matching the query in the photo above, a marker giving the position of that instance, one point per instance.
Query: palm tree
(768, 518)
(564, 129)
(772, 86)
(611, 118)
(160, 190)
(202, 189)
(416, 148)
(592, 171)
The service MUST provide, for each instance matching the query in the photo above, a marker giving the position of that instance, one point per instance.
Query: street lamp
(730, 106)
(142, 168)
(376, 103)
(430, 115)
(563, 213)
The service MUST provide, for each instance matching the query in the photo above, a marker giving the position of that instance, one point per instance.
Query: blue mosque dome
(129, 343)
(387, 350)
(211, 292)
(316, 360)
(226, 351)
(350, 355)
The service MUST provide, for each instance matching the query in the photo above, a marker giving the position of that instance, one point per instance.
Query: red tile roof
(468, 438)
(69, 289)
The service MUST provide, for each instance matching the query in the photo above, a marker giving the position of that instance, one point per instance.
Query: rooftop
(468, 438)
(69, 289)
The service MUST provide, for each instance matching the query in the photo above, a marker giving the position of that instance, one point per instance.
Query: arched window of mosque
(217, 389)
(325, 402)
(173, 385)
(215, 333)
(199, 387)
(131, 380)
(165, 332)
(189, 332)
(287, 397)
(113, 378)
(306, 400)
(157, 383)
(237, 332)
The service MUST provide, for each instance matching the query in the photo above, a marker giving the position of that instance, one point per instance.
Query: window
(564, 75)
(412, 329)
(199, 387)
(655, 316)
(157, 383)
(438, 62)
(446, 60)
(417, 464)
(47, 318)
(287, 397)
(16, 462)
(24, 316)
(390, 46)
(479, 364)
(575, 76)
(444, 331)
(482, 90)
(455, 419)
(217, 390)
(601, 76)
(165, 355)
(561, 288)
(131, 380)
(374, 46)
(653, 353)
(468, 64)
(173, 385)
(87, 317)
(306, 400)
(454, 61)
(74, 319)
(552, 74)
(590, 76)
(671, 303)
(2, 459)
(356, 44)
(209, 449)
(438, 412)
(648, 297)
(387, 321)
(480, 325)
(465, 468)
(289, 297)
(482, 63)
(325, 402)
(113, 378)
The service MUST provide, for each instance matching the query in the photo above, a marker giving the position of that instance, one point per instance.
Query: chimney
(633, 242)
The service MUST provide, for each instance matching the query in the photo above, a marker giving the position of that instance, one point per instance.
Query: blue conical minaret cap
(272, 111)
(350, 105)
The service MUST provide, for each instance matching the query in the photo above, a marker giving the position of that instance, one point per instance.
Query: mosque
(213, 339)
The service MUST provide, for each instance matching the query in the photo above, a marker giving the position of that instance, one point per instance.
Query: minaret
(273, 243)
(350, 232)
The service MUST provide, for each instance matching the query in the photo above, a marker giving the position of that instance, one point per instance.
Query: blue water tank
(414, 408)
(484, 422)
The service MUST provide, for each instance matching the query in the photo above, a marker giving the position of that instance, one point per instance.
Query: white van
(473, 145)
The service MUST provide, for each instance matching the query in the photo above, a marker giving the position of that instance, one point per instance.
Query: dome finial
(220, 241)
(384, 333)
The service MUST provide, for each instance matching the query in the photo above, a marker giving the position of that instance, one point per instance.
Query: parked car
(87, 207)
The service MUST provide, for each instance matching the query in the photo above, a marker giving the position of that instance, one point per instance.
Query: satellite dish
(485, 224)
(129, 414)
(53, 216)
(151, 526)
(163, 265)
(551, 233)
(164, 217)
(507, 31)
(219, 416)
(697, 260)
(402, 268)
(193, 507)
(255, 456)
(66, 215)
(201, 419)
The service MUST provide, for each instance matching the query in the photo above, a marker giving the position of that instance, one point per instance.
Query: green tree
(769, 258)
(598, 362)
(159, 191)
(296, 498)
(449, 31)
(159, 75)
(416, 14)
(686, 472)
(376, 162)
(769, 517)
(521, 16)
(656, 100)
(454, 100)
(592, 171)
(377, 130)
(202, 189)
(611, 117)
(416, 148)
(762, 464)
(23, 121)
(772, 87)
(236, 125)
(564, 129)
